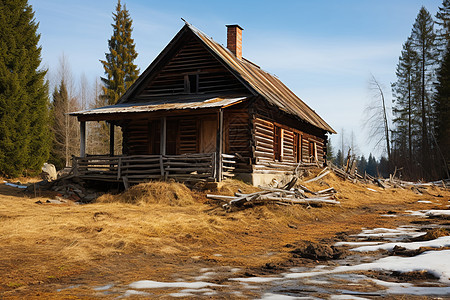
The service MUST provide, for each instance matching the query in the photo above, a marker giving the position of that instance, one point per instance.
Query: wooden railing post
(82, 138)
(163, 136)
(111, 139)
(219, 146)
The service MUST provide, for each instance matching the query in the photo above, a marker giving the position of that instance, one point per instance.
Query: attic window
(191, 83)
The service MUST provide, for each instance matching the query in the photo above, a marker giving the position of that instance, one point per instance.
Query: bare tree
(376, 119)
(65, 128)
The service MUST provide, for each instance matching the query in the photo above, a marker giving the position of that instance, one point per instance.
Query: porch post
(111, 139)
(82, 138)
(162, 143)
(219, 146)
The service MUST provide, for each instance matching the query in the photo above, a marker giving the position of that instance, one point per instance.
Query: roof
(256, 80)
(162, 105)
(265, 84)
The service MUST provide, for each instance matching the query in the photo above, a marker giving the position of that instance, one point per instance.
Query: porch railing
(139, 168)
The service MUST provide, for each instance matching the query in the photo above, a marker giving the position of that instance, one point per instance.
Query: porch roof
(158, 105)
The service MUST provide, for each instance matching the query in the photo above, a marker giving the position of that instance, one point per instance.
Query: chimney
(234, 39)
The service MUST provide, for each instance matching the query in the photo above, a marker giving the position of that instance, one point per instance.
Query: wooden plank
(82, 138)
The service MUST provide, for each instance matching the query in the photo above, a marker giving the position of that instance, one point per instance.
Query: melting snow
(16, 185)
(270, 296)
(443, 241)
(435, 262)
(429, 213)
(346, 297)
(436, 213)
(389, 233)
(408, 288)
(357, 243)
(104, 287)
(256, 279)
(150, 284)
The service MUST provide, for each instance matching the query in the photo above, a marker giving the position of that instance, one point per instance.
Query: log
(318, 177)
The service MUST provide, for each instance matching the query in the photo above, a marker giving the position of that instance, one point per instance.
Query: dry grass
(166, 193)
(166, 225)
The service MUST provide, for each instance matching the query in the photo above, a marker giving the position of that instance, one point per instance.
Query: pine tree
(443, 20)
(423, 41)
(339, 158)
(330, 152)
(119, 66)
(362, 165)
(442, 99)
(24, 132)
(405, 99)
(371, 167)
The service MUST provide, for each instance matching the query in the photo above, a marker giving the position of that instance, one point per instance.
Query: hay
(166, 193)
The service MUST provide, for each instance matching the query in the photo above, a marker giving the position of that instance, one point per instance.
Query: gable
(191, 70)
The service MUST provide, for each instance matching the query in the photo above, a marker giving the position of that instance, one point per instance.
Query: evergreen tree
(423, 41)
(371, 168)
(443, 109)
(24, 103)
(64, 128)
(443, 20)
(330, 152)
(339, 158)
(362, 165)
(405, 99)
(119, 66)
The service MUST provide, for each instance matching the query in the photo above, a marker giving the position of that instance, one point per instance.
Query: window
(191, 83)
(278, 143)
(312, 151)
(297, 147)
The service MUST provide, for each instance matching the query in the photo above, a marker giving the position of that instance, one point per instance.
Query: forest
(416, 142)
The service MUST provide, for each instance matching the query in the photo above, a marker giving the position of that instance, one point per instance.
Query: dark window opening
(277, 143)
(312, 151)
(297, 147)
(191, 83)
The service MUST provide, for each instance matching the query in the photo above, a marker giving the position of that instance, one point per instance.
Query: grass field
(156, 230)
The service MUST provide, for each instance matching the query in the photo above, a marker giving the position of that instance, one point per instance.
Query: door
(208, 135)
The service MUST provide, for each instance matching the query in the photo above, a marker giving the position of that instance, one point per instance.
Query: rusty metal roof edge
(120, 108)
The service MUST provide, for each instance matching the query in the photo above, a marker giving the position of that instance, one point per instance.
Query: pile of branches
(350, 172)
(287, 195)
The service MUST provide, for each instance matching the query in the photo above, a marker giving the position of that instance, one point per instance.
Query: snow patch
(357, 243)
(150, 284)
(410, 289)
(389, 233)
(270, 296)
(438, 213)
(15, 185)
(443, 241)
(346, 297)
(256, 279)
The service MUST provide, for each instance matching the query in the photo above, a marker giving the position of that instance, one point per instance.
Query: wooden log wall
(140, 136)
(238, 138)
(266, 157)
(264, 139)
(191, 58)
(188, 141)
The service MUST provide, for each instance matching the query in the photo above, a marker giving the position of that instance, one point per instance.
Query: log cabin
(203, 112)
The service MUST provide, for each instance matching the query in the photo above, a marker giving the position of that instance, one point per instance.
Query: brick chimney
(234, 39)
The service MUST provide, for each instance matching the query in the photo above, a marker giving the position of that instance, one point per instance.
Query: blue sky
(323, 50)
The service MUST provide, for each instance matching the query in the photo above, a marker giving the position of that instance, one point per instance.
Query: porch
(130, 169)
